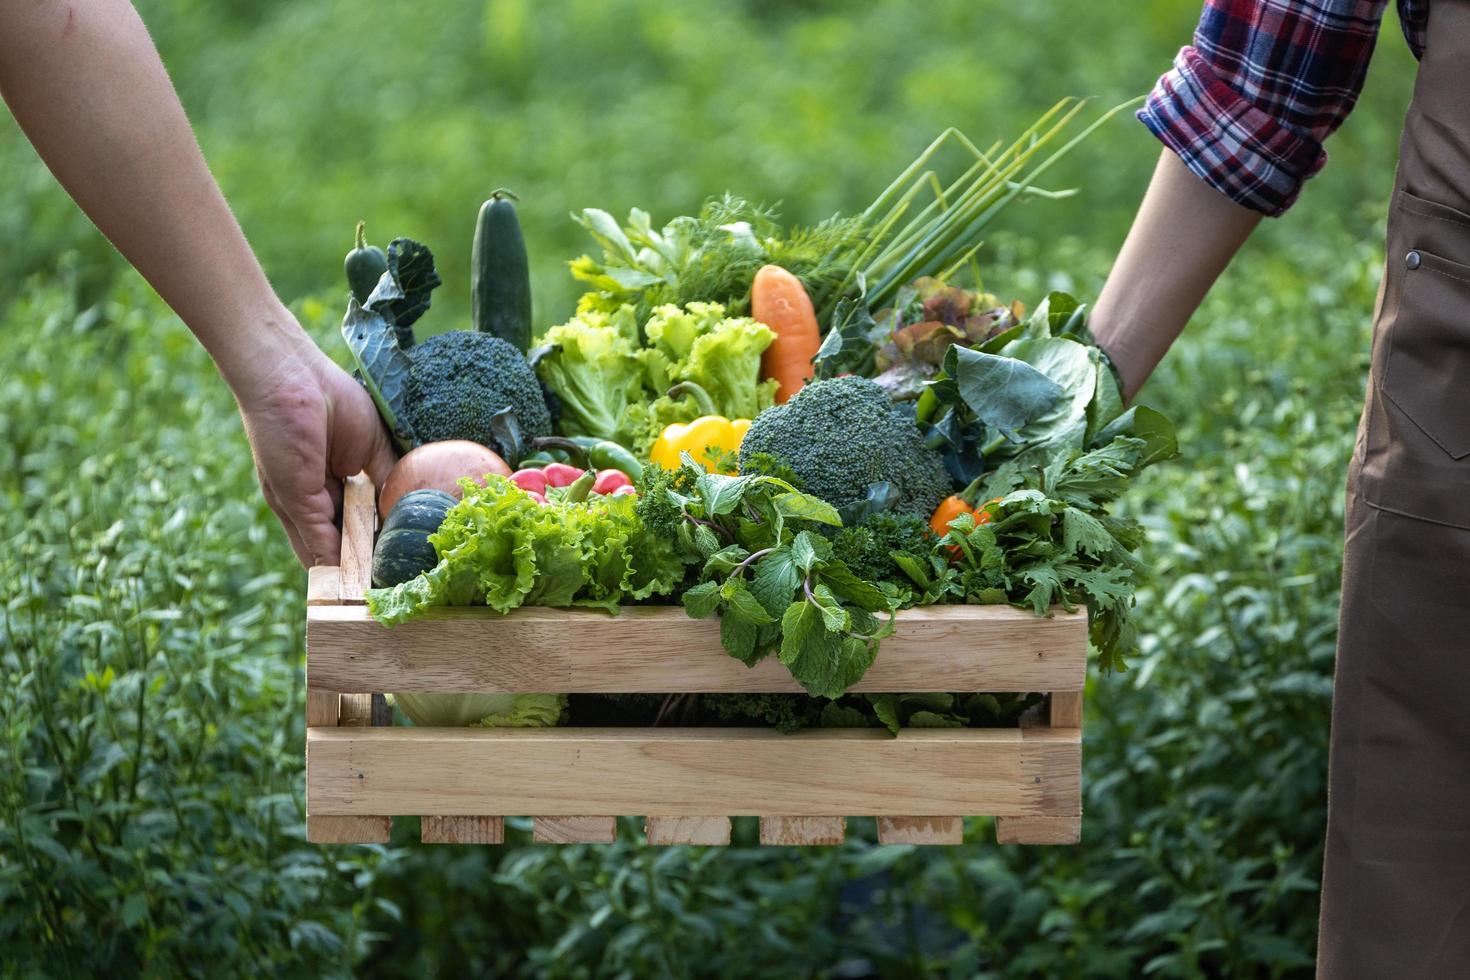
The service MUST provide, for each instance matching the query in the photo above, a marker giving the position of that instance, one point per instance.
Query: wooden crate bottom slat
(694, 772)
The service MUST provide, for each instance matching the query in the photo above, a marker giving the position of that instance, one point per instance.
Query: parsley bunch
(775, 584)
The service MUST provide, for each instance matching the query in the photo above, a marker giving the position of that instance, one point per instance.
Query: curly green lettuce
(591, 363)
(501, 548)
(721, 354)
(482, 710)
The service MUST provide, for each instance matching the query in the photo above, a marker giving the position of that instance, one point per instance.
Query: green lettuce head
(482, 710)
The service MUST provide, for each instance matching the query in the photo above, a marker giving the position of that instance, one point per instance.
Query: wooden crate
(687, 782)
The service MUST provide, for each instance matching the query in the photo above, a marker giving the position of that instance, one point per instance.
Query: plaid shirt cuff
(1232, 145)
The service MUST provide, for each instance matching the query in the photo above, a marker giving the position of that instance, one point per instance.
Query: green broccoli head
(842, 436)
(458, 381)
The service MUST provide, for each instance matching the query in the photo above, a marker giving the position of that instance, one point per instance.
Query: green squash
(403, 551)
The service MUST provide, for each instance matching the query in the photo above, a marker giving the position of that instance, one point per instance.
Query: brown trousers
(1396, 882)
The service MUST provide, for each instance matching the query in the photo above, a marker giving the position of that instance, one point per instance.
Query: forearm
(85, 83)
(1183, 237)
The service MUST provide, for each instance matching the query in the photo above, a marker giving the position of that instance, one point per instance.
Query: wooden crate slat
(574, 830)
(803, 831)
(693, 772)
(1038, 830)
(359, 520)
(462, 830)
(323, 585)
(921, 830)
(660, 650)
(333, 829)
(322, 708)
(1066, 709)
(356, 711)
(687, 830)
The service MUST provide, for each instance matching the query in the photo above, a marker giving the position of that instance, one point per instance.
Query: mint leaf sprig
(775, 585)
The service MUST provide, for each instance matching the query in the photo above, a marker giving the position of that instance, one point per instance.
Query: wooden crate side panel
(687, 830)
(661, 650)
(921, 830)
(359, 521)
(694, 772)
(462, 830)
(574, 830)
(803, 831)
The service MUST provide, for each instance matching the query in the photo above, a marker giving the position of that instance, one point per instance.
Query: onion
(439, 466)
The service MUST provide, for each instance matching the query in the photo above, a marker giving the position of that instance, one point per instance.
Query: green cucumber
(364, 266)
(500, 276)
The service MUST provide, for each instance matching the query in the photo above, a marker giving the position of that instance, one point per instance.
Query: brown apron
(1396, 882)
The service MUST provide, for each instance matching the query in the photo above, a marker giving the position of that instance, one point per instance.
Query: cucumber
(500, 276)
(364, 266)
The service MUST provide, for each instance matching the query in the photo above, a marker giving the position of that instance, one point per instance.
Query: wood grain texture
(356, 711)
(574, 830)
(1038, 830)
(803, 831)
(1066, 709)
(347, 830)
(322, 708)
(660, 649)
(921, 830)
(693, 772)
(462, 830)
(323, 585)
(687, 830)
(359, 521)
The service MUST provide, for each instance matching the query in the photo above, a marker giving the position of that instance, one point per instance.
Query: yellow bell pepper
(709, 430)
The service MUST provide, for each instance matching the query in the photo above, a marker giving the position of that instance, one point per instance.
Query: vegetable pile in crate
(777, 516)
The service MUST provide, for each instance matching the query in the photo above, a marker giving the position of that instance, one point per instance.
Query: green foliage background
(150, 612)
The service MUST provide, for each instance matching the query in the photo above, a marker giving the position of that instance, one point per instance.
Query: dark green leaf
(382, 366)
(402, 294)
(1003, 392)
(806, 507)
(700, 601)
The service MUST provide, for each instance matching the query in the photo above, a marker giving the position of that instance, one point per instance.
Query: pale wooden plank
(921, 830)
(322, 708)
(1066, 709)
(356, 711)
(661, 650)
(1038, 830)
(1064, 824)
(462, 830)
(333, 829)
(687, 830)
(803, 831)
(359, 520)
(574, 830)
(694, 772)
(323, 585)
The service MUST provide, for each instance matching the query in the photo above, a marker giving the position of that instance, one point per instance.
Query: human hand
(311, 425)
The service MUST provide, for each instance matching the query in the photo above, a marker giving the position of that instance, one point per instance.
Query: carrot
(778, 299)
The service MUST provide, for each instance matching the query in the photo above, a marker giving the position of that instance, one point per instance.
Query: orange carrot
(778, 299)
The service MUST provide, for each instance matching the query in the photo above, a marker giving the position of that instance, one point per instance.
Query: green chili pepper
(593, 453)
(580, 488)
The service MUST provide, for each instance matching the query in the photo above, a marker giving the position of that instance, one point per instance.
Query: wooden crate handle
(359, 521)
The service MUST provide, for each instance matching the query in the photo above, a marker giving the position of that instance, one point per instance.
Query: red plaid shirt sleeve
(1248, 105)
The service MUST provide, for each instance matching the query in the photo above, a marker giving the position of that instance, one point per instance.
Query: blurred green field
(150, 611)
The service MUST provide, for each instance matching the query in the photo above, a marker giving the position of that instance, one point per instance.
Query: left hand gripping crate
(687, 782)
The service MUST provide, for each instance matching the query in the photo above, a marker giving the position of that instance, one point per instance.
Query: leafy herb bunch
(770, 577)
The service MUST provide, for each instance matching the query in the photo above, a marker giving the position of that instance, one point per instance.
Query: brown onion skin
(439, 466)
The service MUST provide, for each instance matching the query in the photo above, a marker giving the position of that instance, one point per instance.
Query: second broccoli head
(840, 437)
(458, 381)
